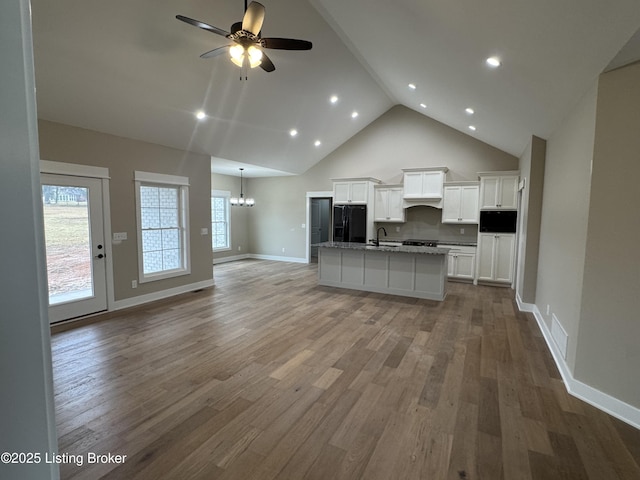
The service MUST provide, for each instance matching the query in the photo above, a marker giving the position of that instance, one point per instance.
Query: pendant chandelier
(242, 202)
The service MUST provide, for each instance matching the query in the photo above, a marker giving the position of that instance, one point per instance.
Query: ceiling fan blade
(204, 26)
(253, 18)
(267, 65)
(215, 52)
(286, 44)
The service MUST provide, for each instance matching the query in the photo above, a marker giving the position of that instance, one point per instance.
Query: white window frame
(163, 180)
(227, 196)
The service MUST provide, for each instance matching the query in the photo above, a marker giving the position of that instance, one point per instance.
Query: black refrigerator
(350, 223)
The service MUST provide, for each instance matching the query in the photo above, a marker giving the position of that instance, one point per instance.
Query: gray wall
(123, 156)
(608, 355)
(532, 164)
(401, 138)
(238, 216)
(27, 423)
(563, 229)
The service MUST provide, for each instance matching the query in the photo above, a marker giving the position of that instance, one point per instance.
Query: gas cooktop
(420, 243)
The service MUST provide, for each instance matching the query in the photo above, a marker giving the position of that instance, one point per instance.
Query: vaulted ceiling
(131, 69)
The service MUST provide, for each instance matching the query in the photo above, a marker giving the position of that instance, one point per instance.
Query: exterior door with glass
(76, 254)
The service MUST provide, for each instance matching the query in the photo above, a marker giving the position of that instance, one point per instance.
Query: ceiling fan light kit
(247, 49)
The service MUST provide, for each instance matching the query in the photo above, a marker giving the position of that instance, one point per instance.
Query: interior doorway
(320, 224)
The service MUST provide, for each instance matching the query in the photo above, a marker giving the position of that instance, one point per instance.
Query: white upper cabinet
(424, 183)
(499, 190)
(353, 190)
(461, 203)
(388, 203)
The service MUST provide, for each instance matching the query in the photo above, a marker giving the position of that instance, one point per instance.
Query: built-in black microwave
(498, 221)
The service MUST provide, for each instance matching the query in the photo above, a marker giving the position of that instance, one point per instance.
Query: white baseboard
(611, 405)
(524, 307)
(257, 256)
(278, 259)
(232, 258)
(151, 297)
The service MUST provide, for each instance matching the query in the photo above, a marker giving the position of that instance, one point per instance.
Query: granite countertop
(385, 248)
(459, 244)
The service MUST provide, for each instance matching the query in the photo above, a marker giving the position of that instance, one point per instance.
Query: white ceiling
(131, 69)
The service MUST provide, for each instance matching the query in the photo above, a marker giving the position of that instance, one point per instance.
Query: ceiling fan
(247, 47)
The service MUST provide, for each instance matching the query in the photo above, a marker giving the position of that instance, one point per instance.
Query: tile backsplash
(426, 223)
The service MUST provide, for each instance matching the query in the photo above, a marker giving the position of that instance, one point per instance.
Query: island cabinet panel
(353, 268)
(427, 274)
(376, 270)
(331, 266)
(411, 273)
(401, 272)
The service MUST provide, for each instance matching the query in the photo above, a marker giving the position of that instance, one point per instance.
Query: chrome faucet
(378, 235)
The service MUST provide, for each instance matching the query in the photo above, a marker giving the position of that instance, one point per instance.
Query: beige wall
(532, 164)
(238, 216)
(122, 156)
(608, 355)
(563, 229)
(401, 138)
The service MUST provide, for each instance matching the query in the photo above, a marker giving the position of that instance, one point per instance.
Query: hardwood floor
(268, 376)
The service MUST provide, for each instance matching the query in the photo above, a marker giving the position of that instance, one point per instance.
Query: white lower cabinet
(496, 256)
(461, 262)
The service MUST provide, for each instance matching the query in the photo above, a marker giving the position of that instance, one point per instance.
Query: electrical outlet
(239, 248)
(303, 226)
(397, 229)
(462, 231)
(282, 249)
(548, 309)
(134, 284)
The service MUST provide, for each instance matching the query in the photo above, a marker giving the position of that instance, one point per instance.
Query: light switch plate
(204, 231)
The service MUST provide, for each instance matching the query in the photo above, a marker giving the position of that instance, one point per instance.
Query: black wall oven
(498, 221)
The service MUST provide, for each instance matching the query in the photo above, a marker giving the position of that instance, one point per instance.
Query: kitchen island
(409, 271)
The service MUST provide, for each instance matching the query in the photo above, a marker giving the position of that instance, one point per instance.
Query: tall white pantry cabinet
(496, 257)
(495, 262)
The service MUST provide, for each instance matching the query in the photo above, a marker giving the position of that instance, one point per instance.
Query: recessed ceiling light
(423, 105)
(469, 110)
(493, 62)
(200, 115)
(472, 128)
(412, 86)
(317, 143)
(334, 99)
(293, 132)
(354, 114)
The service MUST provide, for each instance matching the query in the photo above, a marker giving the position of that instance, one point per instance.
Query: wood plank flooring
(269, 376)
